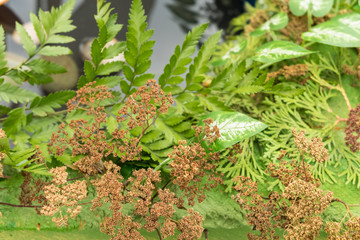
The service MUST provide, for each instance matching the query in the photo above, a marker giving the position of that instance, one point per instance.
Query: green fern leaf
(200, 65)
(15, 94)
(57, 20)
(42, 66)
(107, 68)
(159, 145)
(249, 89)
(2, 51)
(15, 121)
(174, 119)
(181, 57)
(170, 134)
(138, 46)
(152, 136)
(38, 28)
(213, 104)
(182, 127)
(54, 51)
(27, 43)
(38, 123)
(44, 105)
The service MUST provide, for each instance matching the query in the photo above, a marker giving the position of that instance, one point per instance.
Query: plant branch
(342, 90)
(157, 193)
(24, 206)
(159, 234)
(344, 203)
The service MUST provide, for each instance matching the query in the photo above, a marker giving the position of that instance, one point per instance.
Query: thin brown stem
(302, 158)
(19, 206)
(206, 234)
(342, 90)
(159, 234)
(157, 193)
(344, 203)
(71, 179)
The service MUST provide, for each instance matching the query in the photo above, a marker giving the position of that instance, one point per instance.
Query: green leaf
(25, 39)
(233, 127)
(159, 145)
(276, 51)
(152, 136)
(111, 124)
(141, 80)
(110, 81)
(181, 57)
(44, 105)
(58, 19)
(138, 46)
(3, 62)
(60, 39)
(237, 49)
(125, 87)
(277, 22)
(318, 8)
(200, 65)
(15, 121)
(42, 66)
(54, 51)
(340, 31)
(107, 68)
(38, 28)
(249, 89)
(170, 134)
(15, 94)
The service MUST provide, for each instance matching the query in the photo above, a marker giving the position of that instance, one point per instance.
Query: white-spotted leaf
(317, 8)
(341, 31)
(276, 51)
(277, 22)
(233, 127)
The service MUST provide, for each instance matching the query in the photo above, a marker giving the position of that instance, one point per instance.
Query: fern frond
(14, 122)
(2, 52)
(108, 29)
(200, 64)
(15, 94)
(138, 47)
(54, 22)
(44, 105)
(181, 57)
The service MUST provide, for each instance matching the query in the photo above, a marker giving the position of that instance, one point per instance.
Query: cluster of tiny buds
(315, 147)
(191, 163)
(62, 194)
(2, 154)
(352, 129)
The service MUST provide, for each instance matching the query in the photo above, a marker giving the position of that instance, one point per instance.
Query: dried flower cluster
(289, 72)
(298, 207)
(141, 110)
(191, 163)
(352, 129)
(62, 194)
(32, 190)
(89, 140)
(2, 154)
(154, 205)
(314, 148)
(234, 151)
(350, 232)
